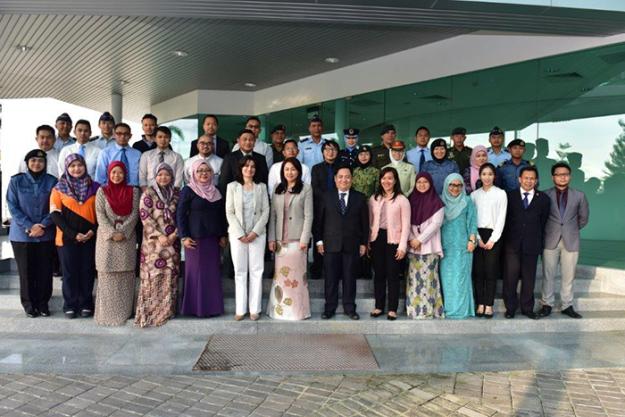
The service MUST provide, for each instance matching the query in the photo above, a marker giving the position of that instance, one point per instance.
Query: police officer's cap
(387, 128)
(278, 128)
(64, 117)
(364, 148)
(351, 132)
(496, 131)
(459, 131)
(315, 119)
(35, 153)
(106, 117)
(516, 142)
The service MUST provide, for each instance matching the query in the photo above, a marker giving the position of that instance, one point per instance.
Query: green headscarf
(453, 205)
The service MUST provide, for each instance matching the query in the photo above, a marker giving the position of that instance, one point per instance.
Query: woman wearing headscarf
(405, 170)
(458, 237)
(117, 210)
(32, 232)
(72, 208)
(160, 250)
(423, 289)
(471, 175)
(202, 227)
(491, 203)
(389, 227)
(365, 177)
(439, 167)
(290, 225)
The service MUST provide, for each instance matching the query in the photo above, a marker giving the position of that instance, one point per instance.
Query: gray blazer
(575, 218)
(300, 216)
(234, 209)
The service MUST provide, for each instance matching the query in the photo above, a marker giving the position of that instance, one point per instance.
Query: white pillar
(116, 107)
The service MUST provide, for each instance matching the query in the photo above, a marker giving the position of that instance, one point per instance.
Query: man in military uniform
(508, 172)
(380, 155)
(405, 170)
(458, 152)
(278, 134)
(497, 154)
(310, 148)
(348, 155)
(420, 154)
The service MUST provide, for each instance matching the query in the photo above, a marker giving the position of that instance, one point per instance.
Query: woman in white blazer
(247, 211)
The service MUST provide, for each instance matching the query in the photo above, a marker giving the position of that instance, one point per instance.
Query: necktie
(526, 202)
(81, 150)
(161, 157)
(562, 206)
(342, 204)
(421, 159)
(123, 158)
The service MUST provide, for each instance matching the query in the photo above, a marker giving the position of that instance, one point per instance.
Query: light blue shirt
(414, 156)
(113, 153)
(498, 159)
(102, 142)
(310, 152)
(59, 144)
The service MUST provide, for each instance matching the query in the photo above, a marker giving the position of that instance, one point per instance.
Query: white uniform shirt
(92, 151)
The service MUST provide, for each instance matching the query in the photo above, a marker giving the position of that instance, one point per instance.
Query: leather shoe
(353, 315)
(85, 312)
(70, 314)
(327, 315)
(509, 314)
(531, 315)
(45, 312)
(32, 313)
(544, 311)
(376, 313)
(569, 311)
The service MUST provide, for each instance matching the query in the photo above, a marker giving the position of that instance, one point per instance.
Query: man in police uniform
(349, 155)
(63, 126)
(310, 148)
(106, 124)
(458, 152)
(497, 154)
(508, 172)
(380, 155)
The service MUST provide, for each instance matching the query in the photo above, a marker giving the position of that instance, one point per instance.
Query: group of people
(444, 218)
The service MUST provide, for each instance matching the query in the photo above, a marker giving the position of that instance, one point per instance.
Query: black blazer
(198, 218)
(525, 228)
(319, 180)
(342, 233)
(231, 165)
(222, 147)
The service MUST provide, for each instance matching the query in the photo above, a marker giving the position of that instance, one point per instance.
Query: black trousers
(519, 266)
(386, 270)
(78, 262)
(339, 266)
(485, 270)
(35, 266)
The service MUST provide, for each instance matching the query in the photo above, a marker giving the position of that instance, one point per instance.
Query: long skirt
(455, 273)
(156, 303)
(203, 293)
(423, 289)
(288, 298)
(115, 294)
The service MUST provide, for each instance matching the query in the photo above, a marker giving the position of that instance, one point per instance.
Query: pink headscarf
(475, 168)
(207, 190)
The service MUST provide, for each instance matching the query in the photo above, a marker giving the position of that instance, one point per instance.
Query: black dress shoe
(85, 312)
(544, 311)
(531, 315)
(569, 311)
(45, 312)
(327, 315)
(479, 314)
(353, 315)
(488, 316)
(509, 314)
(70, 314)
(32, 313)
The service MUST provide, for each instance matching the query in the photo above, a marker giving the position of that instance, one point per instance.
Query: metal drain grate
(275, 352)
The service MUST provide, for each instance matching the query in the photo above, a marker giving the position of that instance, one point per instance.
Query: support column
(116, 107)
(340, 119)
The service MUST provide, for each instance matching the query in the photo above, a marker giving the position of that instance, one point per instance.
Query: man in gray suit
(568, 215)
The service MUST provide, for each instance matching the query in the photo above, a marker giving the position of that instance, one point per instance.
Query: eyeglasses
(204, 143)
(203, 171)
(455, 186)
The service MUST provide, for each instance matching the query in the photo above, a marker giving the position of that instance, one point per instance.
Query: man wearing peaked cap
(63, 127)
(380, 154)
(348, 155)
(106, 123)
(458, 152)
(497, 153)
(508, 172)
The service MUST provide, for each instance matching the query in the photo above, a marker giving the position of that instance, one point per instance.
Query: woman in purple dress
(202, 227)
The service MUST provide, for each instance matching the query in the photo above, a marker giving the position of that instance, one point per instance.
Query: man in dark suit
(527, 213)
(568, 215)
(341, 230)
(246, 140)
(210, 124)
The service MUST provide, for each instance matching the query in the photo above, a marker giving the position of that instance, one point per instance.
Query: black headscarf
(36, 153)
(364, 148)
(436, 143)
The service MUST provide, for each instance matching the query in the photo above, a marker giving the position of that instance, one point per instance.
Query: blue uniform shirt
(414, 156)
(498, 159)
(113, 152)
(59, 144)
(508, 174)
(310, 152)
(29, 204)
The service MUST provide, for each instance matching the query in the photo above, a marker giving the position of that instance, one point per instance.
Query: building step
(593, 321)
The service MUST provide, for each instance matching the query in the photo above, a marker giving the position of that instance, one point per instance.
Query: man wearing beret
(106, 124)
(497, 154)
(508, 172)
(278, 134)
(380, 155)
(348, 155)
(458, 152)
(63, 127)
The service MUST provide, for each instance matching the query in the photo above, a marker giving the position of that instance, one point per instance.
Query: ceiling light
(24, 48)
(180, 53)
(250, 85)
(331, 60)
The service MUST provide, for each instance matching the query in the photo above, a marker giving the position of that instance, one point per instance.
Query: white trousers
(567, 262)
(248, 258)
